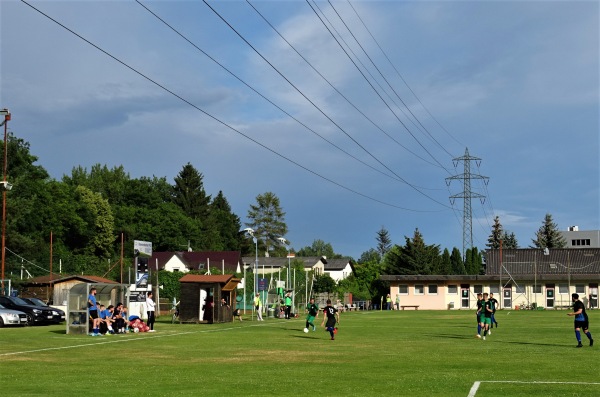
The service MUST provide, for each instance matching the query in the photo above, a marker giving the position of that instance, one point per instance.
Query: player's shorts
(310, 318)
(94, 314)
(582, 324)
(330, 323)
(486, 320)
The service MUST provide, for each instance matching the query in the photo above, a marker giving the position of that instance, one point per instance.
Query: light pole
(250, 232)
(285, 242)
(4, 186)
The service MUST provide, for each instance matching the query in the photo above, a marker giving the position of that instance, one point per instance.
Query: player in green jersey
(313, 312)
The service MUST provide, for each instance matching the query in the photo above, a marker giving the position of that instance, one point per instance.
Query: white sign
(144, 248)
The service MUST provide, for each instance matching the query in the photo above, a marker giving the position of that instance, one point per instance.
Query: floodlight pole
(5, 186)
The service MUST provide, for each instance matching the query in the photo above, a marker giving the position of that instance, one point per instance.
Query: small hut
(207, 299)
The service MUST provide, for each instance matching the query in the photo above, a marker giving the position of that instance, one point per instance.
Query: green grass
(405, 353)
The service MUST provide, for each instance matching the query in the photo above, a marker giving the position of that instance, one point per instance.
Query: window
(495, 289)
(478, 289)
(580, 288)
(403, 289)
(563, 289)
(419, 288)
(452, 289)
(537, 289)
(583, 241)
(519, 289)
(432, 289)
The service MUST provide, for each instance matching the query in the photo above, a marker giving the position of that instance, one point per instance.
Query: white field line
(476, 385)
(117, 339)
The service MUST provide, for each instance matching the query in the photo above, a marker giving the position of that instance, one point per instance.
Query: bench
(416, 307)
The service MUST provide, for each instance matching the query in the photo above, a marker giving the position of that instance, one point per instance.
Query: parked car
(12, 317)
(58, 315)
(35, 314)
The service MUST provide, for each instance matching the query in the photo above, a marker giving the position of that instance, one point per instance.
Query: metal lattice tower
(467, 194)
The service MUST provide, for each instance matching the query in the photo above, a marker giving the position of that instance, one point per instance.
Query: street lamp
(5, 186)
(250, 232)
(283, 241)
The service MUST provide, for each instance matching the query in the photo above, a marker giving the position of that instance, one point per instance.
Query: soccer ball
(306, 330)
(136, 330)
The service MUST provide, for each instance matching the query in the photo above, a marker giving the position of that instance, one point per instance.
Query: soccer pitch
(397, 353)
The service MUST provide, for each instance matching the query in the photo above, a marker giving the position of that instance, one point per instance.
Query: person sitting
(106, 319)
(237, 314)
(118, 318)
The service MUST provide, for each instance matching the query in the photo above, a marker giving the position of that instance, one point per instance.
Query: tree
(473, 261)
(371, 255)
(509, 241)
(324, 283)
(496, 236)
(384, 243)
(267, 219)
(445, 263)
(318, 248)
(548, 235)
(456, 261)
(189, 193)
(226, 224)
(414, 258)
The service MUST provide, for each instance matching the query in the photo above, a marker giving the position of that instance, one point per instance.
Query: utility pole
(467, 194)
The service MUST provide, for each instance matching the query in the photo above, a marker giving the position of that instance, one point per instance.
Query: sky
(353, 113)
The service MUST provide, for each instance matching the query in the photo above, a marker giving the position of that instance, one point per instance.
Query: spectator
(150, 305)
(93, 311)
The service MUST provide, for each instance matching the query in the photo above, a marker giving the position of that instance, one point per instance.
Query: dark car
(58, 315)
(35, 314)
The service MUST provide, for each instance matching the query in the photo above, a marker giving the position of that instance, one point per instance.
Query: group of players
(331, 317)
(486, 310)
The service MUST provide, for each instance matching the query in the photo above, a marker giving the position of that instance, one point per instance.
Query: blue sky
(517, 83)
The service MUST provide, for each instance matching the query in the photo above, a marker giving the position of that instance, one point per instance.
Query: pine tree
(384, 243)
(496, 236)
(458, 266)
(189, 193)
(509, 241)
(267, 219)
(548, 235)
(445, 263)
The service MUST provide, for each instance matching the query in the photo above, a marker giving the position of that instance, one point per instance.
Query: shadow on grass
(451, 336)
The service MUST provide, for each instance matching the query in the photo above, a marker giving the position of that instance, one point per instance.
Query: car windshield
(20, 301)
(37, 302)
(2, 307)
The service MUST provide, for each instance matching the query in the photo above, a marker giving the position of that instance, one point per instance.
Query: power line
(335, 88)
(215, 118)
(388, 83)
(402, 78)
(371, 85)
(319, 109)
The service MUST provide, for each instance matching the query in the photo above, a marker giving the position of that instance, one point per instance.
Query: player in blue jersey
(581, 320)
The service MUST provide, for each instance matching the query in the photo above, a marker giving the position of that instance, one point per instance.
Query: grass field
(398, 353)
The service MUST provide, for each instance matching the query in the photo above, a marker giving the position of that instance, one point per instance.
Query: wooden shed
(207, 299)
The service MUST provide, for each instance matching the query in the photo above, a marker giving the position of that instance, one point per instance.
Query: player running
(313, 312)
(332, 316)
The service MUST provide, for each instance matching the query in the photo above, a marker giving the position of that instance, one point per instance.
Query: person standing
(332, 316)
(494, 306)
(388, 302)
(581, 320)
(478, 314)
(150, 311)
(397, 301)
(313, 312)
(93, 311)
(259, 306)
(486, 316)
(288, 305)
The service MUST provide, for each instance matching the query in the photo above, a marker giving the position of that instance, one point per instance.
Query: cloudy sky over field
(351, 112)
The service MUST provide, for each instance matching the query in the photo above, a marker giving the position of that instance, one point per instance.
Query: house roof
(203, 278)
(309, 261)
(56, 279)
(192, 260)
(533, 261)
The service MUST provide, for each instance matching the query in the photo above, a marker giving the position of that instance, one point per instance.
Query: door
(549, 295)
(464, 296)
(593, 296)
(507, 296)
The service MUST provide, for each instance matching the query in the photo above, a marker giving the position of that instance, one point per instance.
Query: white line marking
(476, 385)
(474, 389)
(119, 340)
